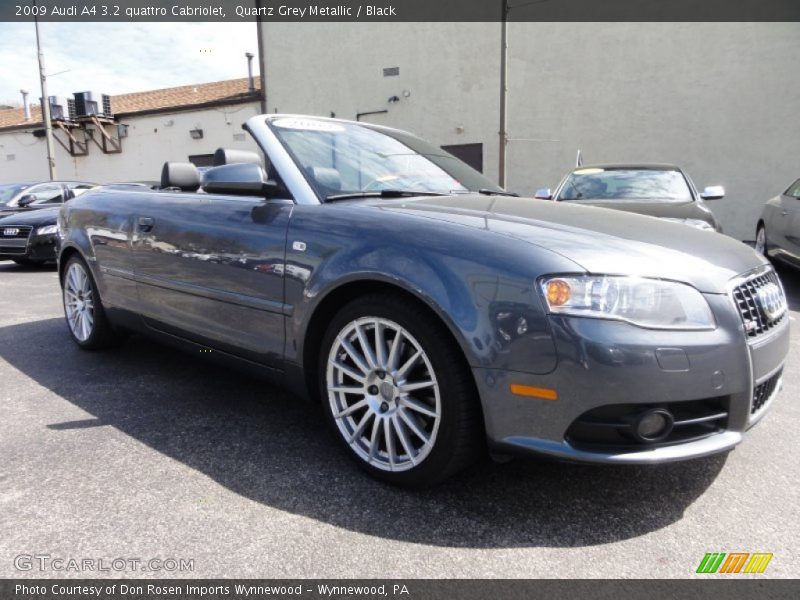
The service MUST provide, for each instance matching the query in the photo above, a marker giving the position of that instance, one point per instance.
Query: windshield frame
(413, 143)
(691, 197)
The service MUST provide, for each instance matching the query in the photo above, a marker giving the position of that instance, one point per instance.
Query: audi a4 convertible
(433, 315)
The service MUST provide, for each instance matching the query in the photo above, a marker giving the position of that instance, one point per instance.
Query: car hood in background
(34, 218)
(655, 208)
(597, 239)
(5, 211)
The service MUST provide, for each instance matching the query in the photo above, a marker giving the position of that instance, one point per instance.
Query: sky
(115, 58)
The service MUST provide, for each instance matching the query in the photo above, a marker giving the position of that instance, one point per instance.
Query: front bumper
(605, 364)
(39, 248)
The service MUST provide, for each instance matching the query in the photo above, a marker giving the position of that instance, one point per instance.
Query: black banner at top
(399, 10)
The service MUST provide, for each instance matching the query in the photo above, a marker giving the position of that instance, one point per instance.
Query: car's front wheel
(399, 392)
(86, 318)
(761, 240)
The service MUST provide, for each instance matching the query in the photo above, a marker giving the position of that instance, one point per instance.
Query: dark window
(472, 154)
(202, 160)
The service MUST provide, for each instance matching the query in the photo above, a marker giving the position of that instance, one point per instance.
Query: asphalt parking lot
(145, 452)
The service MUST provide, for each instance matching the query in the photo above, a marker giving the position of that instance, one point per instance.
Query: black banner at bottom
(732, 588)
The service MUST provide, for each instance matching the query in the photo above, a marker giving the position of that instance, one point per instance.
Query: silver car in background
(778, 228)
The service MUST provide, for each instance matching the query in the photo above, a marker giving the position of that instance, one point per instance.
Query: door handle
(146, 224)
(784, 213)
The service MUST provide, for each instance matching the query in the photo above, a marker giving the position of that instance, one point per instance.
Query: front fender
(483, 293)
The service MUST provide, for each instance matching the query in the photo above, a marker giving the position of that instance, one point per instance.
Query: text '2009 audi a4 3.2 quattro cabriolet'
(431, 313)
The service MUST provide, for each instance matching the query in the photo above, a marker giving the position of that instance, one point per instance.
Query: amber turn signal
(558, 292)
(533, 392)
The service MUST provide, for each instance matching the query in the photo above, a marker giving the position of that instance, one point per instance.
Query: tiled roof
(185, 96)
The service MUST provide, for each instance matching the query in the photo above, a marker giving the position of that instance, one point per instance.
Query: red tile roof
(218, 92)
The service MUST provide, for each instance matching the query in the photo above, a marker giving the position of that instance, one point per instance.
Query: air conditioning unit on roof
(61, 108)
(92, 103)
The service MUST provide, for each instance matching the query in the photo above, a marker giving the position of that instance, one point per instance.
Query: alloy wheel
(761, 241)
(79, 301)
(383, 393)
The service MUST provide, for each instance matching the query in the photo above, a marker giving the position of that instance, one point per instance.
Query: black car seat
(181, 176)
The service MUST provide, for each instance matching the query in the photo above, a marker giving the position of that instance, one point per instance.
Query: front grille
(19, 231)
(609, 428)
(745, 295)
(764, 391)
(14, 239)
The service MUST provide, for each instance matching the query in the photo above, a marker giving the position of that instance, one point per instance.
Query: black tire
(460, 437)
(102, 335)
(27, 262)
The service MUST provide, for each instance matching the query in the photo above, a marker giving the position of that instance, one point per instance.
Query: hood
(598, 239)
(665, 209)
(14, 210)
(34, 218)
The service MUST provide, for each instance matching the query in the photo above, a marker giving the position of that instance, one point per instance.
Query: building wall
(719, 99)
(152, 140)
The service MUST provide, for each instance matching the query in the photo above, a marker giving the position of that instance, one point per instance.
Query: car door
(210, 268)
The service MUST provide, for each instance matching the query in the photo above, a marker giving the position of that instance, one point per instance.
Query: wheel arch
(63, 257)
(337, 297)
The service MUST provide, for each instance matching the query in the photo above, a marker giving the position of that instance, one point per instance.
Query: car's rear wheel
(86, 317)
(398, 392)
(761, 240)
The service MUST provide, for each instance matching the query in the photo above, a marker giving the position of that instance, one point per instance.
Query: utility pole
(48, 126)
(503, 141)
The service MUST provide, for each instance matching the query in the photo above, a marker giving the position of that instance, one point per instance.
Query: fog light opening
(653, 425)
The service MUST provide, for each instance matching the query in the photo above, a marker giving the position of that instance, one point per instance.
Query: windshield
(8, 191)
(649, 185)
(345, 158)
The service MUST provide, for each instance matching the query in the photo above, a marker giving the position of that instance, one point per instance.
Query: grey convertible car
(778, 228)
(432, 314)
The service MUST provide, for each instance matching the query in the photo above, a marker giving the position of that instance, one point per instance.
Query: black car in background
(29, 238)
(663, 191)
(28, 218)
(18, 197)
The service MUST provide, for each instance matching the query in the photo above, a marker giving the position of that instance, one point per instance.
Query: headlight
(697, 223)
(649, 303)
(47, 230)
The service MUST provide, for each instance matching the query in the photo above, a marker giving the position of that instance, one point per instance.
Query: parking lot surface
(144, 452)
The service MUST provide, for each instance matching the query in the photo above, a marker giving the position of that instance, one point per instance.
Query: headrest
(183, 176)
(326, 177)
(226, 156)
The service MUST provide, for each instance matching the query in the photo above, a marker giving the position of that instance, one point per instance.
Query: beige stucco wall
(719, 99)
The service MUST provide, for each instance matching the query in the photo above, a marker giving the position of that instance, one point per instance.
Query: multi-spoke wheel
(761, 240)
(83, 309)
(398, 392)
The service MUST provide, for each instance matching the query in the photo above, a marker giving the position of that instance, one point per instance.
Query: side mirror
(543, 194)
(243, 179)
(713, 192)
(26, 200)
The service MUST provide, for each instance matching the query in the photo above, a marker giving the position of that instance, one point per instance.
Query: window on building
(472, 154)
